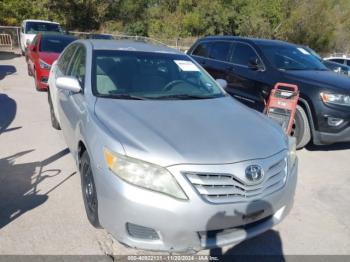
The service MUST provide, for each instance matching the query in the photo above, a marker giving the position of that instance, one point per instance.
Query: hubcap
(90, 195)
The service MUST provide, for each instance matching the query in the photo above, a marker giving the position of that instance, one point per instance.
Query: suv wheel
(89, 190)
(301, 128)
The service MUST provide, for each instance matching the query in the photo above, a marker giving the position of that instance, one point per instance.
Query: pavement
(41, 207)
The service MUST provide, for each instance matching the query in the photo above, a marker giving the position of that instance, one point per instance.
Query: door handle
(203, 62)
(230, 68)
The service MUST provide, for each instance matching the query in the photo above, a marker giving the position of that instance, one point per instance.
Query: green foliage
(321, 24)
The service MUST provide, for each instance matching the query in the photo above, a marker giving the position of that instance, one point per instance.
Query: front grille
(227, 188)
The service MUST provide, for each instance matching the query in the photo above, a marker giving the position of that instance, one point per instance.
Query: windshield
(54, 45)
(35, 27)
(143, 75)
(286, 57)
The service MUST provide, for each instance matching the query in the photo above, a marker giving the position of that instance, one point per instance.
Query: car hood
(211, 131)
(326, 79)
(48, 57)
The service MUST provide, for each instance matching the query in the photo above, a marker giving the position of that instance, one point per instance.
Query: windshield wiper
(183, 97)
(129, 97)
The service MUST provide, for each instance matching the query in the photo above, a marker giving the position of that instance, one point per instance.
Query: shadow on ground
(333, 147)
(8, 55)
(8, 108)
(255, 216)
(19, 182)
(6, 70)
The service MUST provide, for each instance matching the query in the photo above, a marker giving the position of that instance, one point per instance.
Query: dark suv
(252, 67)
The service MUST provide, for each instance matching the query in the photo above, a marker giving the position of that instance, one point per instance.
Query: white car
(339, 58)
(30, 28)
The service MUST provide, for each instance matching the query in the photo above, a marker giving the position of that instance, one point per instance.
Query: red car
(42, 52)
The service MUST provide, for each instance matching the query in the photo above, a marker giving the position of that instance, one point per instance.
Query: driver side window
(77, 67)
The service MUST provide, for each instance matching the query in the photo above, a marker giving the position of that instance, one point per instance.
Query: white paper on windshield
(186, 65)
(303, 51)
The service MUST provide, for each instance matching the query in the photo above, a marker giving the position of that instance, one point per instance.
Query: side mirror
(68, 83)
(222, 83)
(254, 64)
(28, 42)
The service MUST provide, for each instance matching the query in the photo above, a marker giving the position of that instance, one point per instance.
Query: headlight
(337, 99)
(292, 153)
(143, 174)
(44, 65)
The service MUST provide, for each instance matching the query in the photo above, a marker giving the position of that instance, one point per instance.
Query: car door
(72, 105)
(218, 62)
(33, 53)
(245, 81)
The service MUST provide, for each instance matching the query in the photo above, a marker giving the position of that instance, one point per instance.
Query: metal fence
(9, 37)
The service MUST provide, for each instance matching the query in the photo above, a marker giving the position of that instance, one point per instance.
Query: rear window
(34, 27)
(54, 45)
(202, 49)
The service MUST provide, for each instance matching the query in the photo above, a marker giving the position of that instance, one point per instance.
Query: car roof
(257, 41)
(130, 45)
(39, 21)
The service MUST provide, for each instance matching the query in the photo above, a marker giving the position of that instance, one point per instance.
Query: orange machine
(282, 104)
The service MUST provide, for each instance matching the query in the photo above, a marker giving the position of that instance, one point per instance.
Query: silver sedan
(168, 160)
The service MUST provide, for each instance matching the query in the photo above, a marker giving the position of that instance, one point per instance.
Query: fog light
(333, 121)
(43, 80)
(141, 232)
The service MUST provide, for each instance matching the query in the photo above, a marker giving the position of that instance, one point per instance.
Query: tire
(29, 72)
(89, 190)
(301, 128)
(36, 81)
(54, 121)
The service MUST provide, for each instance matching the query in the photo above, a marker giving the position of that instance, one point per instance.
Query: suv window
(202, 50)
(77, 67)
(242, 54)
(220, 51)
(65, 58)
(340, 61)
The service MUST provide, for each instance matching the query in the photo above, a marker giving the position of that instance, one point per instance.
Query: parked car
(334, 66)
(339, 58)
(168, 159)
(42, 52)
(31, 27)
(253, 66)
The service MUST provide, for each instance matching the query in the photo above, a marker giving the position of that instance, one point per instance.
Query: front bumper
(42, 78)
(327, 134)
(186, 226)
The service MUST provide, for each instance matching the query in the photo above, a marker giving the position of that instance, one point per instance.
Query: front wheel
(89, 190)
(301, 128)
(54, 122)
